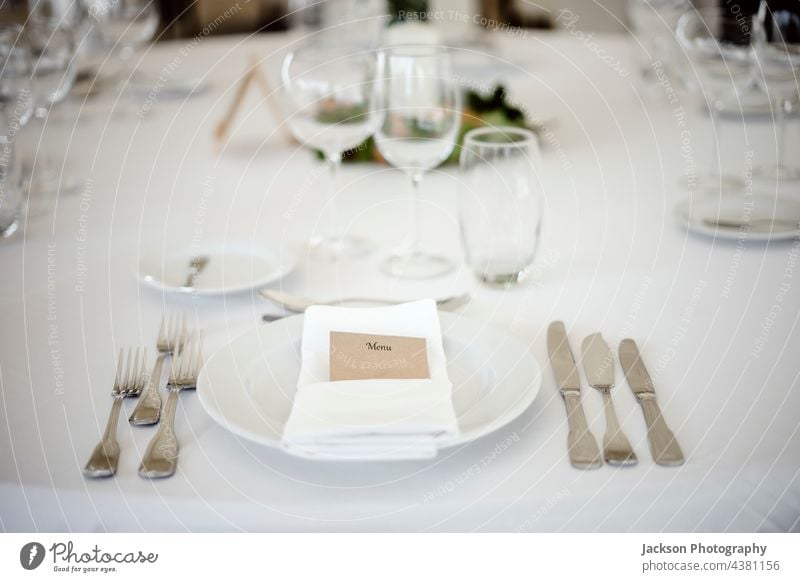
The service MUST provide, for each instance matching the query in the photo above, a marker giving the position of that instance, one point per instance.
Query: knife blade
(663, 446)
(582, 446)
(598, 362)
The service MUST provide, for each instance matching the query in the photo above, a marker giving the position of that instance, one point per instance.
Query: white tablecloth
(716, 321)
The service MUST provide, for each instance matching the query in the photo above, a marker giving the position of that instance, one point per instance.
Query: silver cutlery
(161, 456)
(663, 446)
(171, 334)
(583, 451)
(105, 457)
(299, 304)
(598, 364)
(756, 223)
(196, 266)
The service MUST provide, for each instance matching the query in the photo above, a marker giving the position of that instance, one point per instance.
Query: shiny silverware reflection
(171, 334)
(760, 224)
(663, 446)
(105, 457)
(598, 363)
(583, 451)
(196, 266)
(161, 457)
(298, 304)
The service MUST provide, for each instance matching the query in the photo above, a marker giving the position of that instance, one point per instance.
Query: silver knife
(598, 364)
(663, 446)
(583, 451)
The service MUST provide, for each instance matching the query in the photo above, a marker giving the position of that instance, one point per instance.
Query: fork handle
(161, 456)
(148, 409)
(104, 459)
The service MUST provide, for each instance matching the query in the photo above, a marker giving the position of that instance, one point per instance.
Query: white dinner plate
(231, 268)
(692, 212)
(248, 386)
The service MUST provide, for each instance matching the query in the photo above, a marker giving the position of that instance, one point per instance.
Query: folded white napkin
(370, 419)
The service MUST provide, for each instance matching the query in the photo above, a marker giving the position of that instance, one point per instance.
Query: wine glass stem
(784, 109)
(716, 165)
(334, 162)
(413, 228)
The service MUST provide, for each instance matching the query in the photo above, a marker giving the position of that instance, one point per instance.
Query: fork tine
(182, 334)
(142, 372)
(118, 377)
(134, 371)
(162, 329)
(127, 379)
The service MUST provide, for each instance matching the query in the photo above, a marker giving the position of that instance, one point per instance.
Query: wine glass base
(333, 248)
(502, 281)
(416, 266)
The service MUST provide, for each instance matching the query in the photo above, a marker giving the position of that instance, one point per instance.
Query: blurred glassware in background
(419, 102)
(500, 203)
(10, 183)
(653, 23)
(360, 22)
(123, 27)
(717, 41)
(777, 49)
(327, 98)
(16, 95)
(52, 47)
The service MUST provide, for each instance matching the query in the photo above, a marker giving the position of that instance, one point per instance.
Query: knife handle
(583, 450)
(663, 446)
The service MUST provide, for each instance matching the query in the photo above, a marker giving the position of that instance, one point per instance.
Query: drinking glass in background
(53, 72)
(124, 27)
(16, 96)
(10, 183)
(777, 49)
(500, 203)
(418, 101)
(717, 41)
(653, 23)
(327, 97)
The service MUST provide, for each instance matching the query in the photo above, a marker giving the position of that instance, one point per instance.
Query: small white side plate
(231, 268)
(692, 213)
(248, 386)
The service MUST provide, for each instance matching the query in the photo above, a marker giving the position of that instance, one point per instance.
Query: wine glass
(124, 27)
(10, 182)
(653, 23)
(717, 41)
(53, 74)
(419, 104)
(327, 96)
(777, 49)
(16, 96)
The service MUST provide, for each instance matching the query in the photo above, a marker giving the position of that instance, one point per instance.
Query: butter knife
(598, 364)
(663, 446)
(583, 451)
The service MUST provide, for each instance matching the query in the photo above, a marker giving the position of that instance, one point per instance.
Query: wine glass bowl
(327, 97)
(16, 96)
(777, 52)
(419, 106)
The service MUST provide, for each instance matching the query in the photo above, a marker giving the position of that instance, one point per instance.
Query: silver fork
(161, 456)
(171, 334)
(104, 459)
